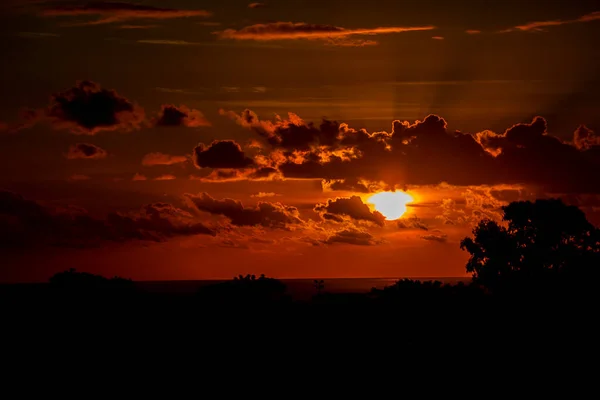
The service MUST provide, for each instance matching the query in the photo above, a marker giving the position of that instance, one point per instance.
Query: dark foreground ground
(246, 314)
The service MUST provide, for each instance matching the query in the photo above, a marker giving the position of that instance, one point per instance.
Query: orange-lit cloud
(151, 159)
(110, 12)
(473, 31)
(437, 37)
(165, 177)
(336, 153)
(139, 177)
(261, 195)
(86, 151)
(256, 5)
(540, 25)
(171, 115)
(302, 30)
(352, 207)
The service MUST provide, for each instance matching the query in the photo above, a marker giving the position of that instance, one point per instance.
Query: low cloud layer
(271, 215)
(110, 12)
(27, 223)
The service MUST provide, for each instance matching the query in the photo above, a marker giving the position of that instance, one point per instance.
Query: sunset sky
(192, 139)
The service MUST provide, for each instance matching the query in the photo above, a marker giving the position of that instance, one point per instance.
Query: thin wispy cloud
(302, 30)
(539, 26)
(110, 12)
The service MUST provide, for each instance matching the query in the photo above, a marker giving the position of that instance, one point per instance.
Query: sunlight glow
(391, 204)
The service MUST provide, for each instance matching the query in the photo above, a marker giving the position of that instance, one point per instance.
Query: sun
(391, 204)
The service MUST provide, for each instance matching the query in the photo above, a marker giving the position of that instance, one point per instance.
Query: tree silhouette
(319, 285)
(537, 243)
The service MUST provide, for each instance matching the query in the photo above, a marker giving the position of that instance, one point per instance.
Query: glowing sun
(391, 204)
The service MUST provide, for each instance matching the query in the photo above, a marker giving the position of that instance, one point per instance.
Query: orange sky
(189, 140)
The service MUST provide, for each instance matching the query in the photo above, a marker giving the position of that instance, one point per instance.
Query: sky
(199, 139)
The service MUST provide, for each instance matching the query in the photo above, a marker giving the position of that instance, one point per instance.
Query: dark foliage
(543, 245)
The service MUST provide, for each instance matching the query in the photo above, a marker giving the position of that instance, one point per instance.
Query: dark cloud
(427, 153)
(221, 154)
(152, 159)
(302, 30)
(411, 223)
(352, 236)
(171, 115)
(435, 237)
(109, 12)
(86, 151)
(352, 207)
(585, 139)
(25, 223)
(272, 215)
(88, 109)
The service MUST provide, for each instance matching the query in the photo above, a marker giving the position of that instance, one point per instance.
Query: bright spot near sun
(391, 204)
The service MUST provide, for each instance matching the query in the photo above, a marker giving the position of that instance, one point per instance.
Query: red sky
(196, 140)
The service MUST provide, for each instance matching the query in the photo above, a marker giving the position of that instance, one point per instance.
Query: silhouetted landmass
(535, 278)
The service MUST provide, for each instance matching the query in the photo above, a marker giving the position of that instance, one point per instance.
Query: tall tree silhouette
(537, 243)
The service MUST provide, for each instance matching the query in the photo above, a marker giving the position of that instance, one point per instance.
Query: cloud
(473, 31)
(221, 154)
(26, 223)
(88, 109)
(220, 175)
(437, 37)
(152, 159)
(261, 195)
(111, 12)
(352, 236)
(171, 115)
(435, 237)
(302, 30)
(271, 215)
(86, 151)
(411, 223)
(538, 26)
(139, 177)
(426, 152)
(585, 139)
(256, 5)
(165, 177)
(352, 207)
